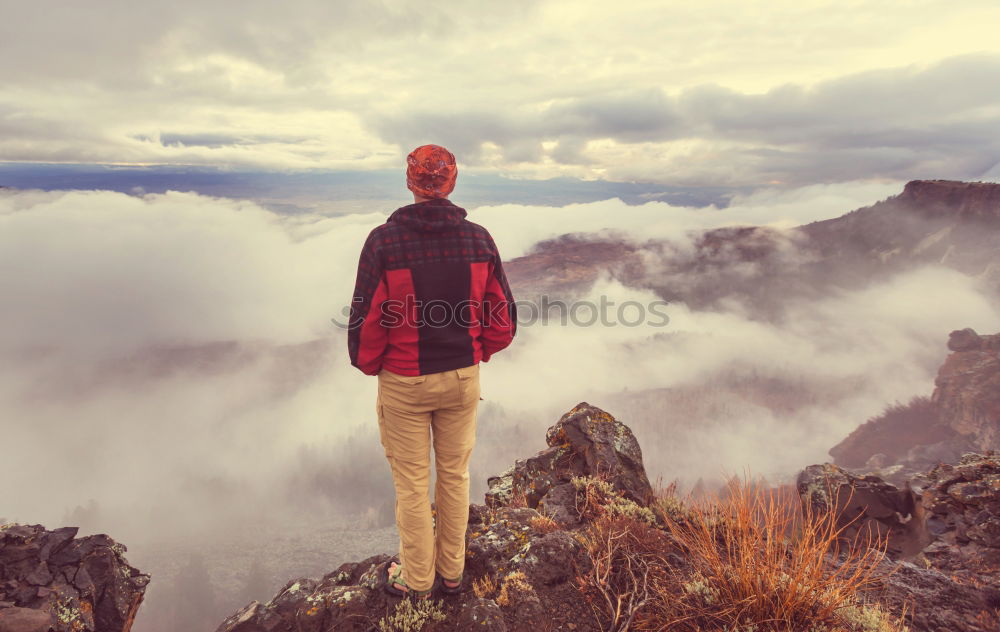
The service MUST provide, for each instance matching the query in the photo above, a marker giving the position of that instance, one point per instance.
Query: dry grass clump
(543, 524)
(629, 556)
(747, 560)
(513, 588)
(518, 498)
(485, 586)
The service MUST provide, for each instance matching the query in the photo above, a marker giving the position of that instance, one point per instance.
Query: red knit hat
(431, 171)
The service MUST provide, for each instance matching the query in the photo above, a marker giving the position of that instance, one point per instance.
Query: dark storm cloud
(627, 117)
(632, 116)
(899, 123)
(878, 102)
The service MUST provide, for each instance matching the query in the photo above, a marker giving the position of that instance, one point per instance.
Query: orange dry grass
(628, 562)
(749, 557)
(485, 586)
(543, 524)
(754, 562)
(518, 498)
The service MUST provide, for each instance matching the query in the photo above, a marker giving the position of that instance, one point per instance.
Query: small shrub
(701, 589)
(628, 556)
(868, 618)
(600, 498)
(669, 507)
(490, 516)
(514, 586)
(412, 615)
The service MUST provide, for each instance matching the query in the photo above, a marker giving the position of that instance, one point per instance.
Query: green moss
(867, 618)
(612, 502)
(671, 508)
(700, 588)
(412, 616)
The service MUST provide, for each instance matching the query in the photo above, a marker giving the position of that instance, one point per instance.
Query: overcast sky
(721, 92)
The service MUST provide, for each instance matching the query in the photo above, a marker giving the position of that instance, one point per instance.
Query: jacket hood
(430, 216)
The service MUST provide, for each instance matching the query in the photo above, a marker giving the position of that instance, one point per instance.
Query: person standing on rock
(430, 303)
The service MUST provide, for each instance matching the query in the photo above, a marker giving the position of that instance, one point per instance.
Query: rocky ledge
(943, 533)
(508, 538)
(962, 415)
(53, 581)
(527, 555)
(968, 199)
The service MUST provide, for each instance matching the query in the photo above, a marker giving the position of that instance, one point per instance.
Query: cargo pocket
(468, 384)
(381, 427)
(401, 392)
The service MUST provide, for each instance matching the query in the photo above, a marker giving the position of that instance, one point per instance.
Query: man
(431, 302)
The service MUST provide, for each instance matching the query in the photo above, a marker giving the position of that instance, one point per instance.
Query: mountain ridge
(931, 222)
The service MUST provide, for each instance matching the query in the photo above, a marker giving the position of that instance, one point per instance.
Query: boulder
(508, 541)
(961, 503)
(482, 614)
(967, 389)
(964, 340)
(53, 580)
(864, 504)
(944, 533)
(586, 441)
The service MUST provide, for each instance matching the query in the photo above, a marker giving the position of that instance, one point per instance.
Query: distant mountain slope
(956, 224)
(932, 221)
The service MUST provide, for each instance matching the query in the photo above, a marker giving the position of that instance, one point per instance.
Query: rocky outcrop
(935, 601)
(948, 516)
(585, 441)
(961, 503)
(50, 580)
(865, 504)
(524, 568)
(965, 199)
(967, 388)
(943, 537)
(508, 540)
(962, 415)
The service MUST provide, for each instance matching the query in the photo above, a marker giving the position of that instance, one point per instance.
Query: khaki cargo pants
(413, 412)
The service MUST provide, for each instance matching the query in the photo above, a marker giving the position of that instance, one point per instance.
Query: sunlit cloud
(716, 94)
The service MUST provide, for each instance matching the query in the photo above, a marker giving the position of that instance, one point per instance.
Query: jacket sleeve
(367, 337)
(499, 310)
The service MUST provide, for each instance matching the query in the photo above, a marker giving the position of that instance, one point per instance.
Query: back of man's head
(431, 171)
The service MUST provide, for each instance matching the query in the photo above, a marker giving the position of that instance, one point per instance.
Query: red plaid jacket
(431, 294)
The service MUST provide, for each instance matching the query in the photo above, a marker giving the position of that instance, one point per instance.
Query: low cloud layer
(178, 342)
(517, 227)
(169, 371)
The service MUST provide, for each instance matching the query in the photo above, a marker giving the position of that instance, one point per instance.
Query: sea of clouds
(101, 289)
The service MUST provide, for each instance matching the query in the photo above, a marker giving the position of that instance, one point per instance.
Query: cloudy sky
(720, 93)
